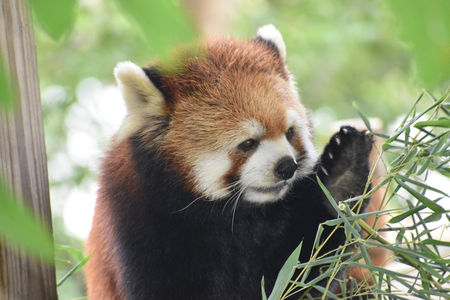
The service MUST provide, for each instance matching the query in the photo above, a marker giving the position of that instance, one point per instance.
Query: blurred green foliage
(56, 17)
(425, 26)
(161, 23)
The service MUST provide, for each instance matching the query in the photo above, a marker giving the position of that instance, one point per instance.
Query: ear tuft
(272, 36)
(142, 98)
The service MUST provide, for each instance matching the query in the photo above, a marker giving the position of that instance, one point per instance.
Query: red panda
(211, 182)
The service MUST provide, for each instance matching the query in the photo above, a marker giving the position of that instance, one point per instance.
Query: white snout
(258, 177)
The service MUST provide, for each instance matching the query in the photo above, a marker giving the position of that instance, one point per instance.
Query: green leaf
(436, 242)
(441, 122)
(326, 292)
(441, 146)
(335, 222)
(56, 17)
(420, 184)
(363, 117)
(411, 254)
(413, 120)
(364, 253)
(421, 198)
(263, 289)
(75, 269)
(406, 214)
(79, 255)
(162, 24)
(19, 225)
(404, 159)
(432, 218)
(424, 278)
(285, 274)
(336, 208)
(426, 28)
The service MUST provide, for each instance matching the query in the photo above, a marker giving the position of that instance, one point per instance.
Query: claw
(338, 141)
(330, 155)
(344, 130)
(324, 170)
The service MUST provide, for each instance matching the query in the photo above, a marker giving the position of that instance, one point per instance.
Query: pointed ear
(272, 37)
(139, 93)
(141, 96)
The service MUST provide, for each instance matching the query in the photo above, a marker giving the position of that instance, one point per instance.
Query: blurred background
(338, 51)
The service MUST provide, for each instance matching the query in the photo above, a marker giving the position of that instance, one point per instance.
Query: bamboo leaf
(420, 184)
(56, 17)
(285, 274)
(404, 159)
(340, 212)
(362, 116)
(150, 16)
(432, 218)
(442, 145)
(411, 254)
(441, 122)
(436, 242)
(413, 120)
(421, 198)
(79, 255)
(263, 289)
(75, 269)
(335, 222)
(19, 225)
(424, 278)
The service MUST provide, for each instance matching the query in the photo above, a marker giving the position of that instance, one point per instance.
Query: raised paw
(344, 164)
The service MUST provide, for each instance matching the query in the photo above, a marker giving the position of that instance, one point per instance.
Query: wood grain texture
(22, 153)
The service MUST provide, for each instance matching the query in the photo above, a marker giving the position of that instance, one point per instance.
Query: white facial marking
(252, 129)
(258, 179)
(257, 175)
(208, 173)
(306, 164)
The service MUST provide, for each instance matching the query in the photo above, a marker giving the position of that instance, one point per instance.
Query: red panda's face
(235, 128)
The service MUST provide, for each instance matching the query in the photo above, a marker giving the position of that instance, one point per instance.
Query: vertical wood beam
(23, 163)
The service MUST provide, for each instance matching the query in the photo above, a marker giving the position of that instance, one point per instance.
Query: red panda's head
(233, 122)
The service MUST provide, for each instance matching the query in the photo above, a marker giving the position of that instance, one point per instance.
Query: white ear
(141, 96)
(139, 93)
(271, 34)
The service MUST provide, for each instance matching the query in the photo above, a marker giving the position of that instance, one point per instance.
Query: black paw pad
(347, 149)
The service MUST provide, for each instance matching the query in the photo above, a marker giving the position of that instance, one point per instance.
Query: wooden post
(22, 153)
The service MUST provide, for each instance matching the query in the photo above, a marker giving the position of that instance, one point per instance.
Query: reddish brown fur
(104, 266)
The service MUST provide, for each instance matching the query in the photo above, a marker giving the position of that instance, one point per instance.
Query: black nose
(285, 168)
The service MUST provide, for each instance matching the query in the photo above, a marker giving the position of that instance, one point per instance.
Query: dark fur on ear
(155, 76)
(269, 44)
(271, 37)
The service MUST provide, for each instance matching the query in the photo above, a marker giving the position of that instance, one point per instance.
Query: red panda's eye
(248, 144)
(290, 133)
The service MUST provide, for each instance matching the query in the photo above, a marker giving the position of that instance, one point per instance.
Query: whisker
(180, 210)
(237, 197)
